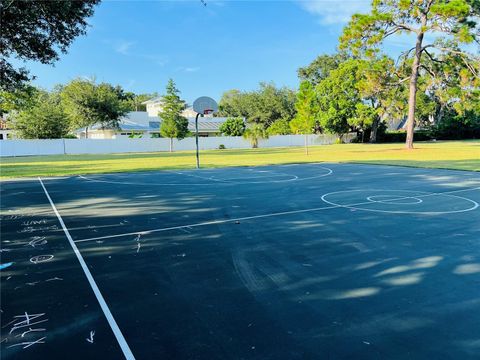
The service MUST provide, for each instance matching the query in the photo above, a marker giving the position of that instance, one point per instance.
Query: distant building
(155, 105)
(146, 124)
(142, 124)
(5, 131)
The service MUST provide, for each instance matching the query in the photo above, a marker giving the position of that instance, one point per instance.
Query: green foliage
(449, 23)
(263, 106)
(38, 31)
(173, 125)
(221, 147)
(233, 127)
(21, 98)
(133, 102)
(135, 135)
(338, 98)
(279, 127)
(235, 103)
(454, 126)
(307, 109)
(254, 133)
(364, 117)
(320, 68)
(87, 103)
(45, 119)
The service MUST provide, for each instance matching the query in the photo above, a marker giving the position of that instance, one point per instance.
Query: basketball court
(311, 261)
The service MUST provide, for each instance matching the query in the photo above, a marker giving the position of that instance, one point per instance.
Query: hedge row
(401, 136)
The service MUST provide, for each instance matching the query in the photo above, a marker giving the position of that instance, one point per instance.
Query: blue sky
(205, 49)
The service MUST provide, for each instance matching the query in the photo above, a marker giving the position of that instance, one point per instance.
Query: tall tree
(271, 103)
(263, 106)
(307, 109)
(450, 83)
(21, 98)
(338, 97)
(44, 119)
(453, 19)
(378, 85)
(87, 104)
(38, 31)
(320, 68)
(234, 103)
(173, 125)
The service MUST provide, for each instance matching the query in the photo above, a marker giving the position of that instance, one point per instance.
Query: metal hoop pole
(196, 139)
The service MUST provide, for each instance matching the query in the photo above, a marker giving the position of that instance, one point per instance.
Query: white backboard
(205, 104)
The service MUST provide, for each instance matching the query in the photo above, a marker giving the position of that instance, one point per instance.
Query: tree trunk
(86, 132)
(441, 113)
(373, 132)
(306, 144)
(171, 144)
(412, 98)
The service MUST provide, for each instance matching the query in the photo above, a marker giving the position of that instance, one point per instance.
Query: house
(5, 131)
(146, 124)
(142, 124)
(155, 105)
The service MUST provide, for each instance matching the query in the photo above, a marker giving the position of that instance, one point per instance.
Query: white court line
(111, 321)
(215, 182)
(213, 222)
(425, 194)
(223, 221)
(198, 176)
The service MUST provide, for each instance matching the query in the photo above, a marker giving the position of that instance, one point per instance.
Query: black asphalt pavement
(316, 261)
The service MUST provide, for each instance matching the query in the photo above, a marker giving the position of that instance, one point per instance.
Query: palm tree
(254, 133)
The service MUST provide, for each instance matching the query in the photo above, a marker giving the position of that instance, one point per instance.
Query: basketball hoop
(204, 105)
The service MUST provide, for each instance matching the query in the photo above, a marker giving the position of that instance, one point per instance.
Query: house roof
(157, 99)
(205, 126)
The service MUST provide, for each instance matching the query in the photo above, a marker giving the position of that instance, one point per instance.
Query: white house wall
(127, 145)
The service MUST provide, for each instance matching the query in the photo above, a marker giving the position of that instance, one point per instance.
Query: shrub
(233, 127)
(401, 136)
(279, 127)
(456, 127)
(221, 147)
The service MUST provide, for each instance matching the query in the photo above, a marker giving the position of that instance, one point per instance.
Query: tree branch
(431, 57)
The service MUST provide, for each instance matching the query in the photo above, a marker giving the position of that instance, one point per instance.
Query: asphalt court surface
(311, 261)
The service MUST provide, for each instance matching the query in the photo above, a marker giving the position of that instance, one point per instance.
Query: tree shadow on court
(468, 164)
(343, 282)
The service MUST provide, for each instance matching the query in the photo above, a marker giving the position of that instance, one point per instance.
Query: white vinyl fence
(97, 146)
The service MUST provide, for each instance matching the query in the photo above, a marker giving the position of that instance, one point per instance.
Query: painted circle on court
(395, 199)
(400, 201)
(210, 177)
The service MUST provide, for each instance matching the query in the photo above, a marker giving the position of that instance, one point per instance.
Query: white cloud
(123, 47)
(333, 11)
(187, 69)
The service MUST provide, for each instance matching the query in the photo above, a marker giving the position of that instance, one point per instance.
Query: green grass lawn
(460, 155)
